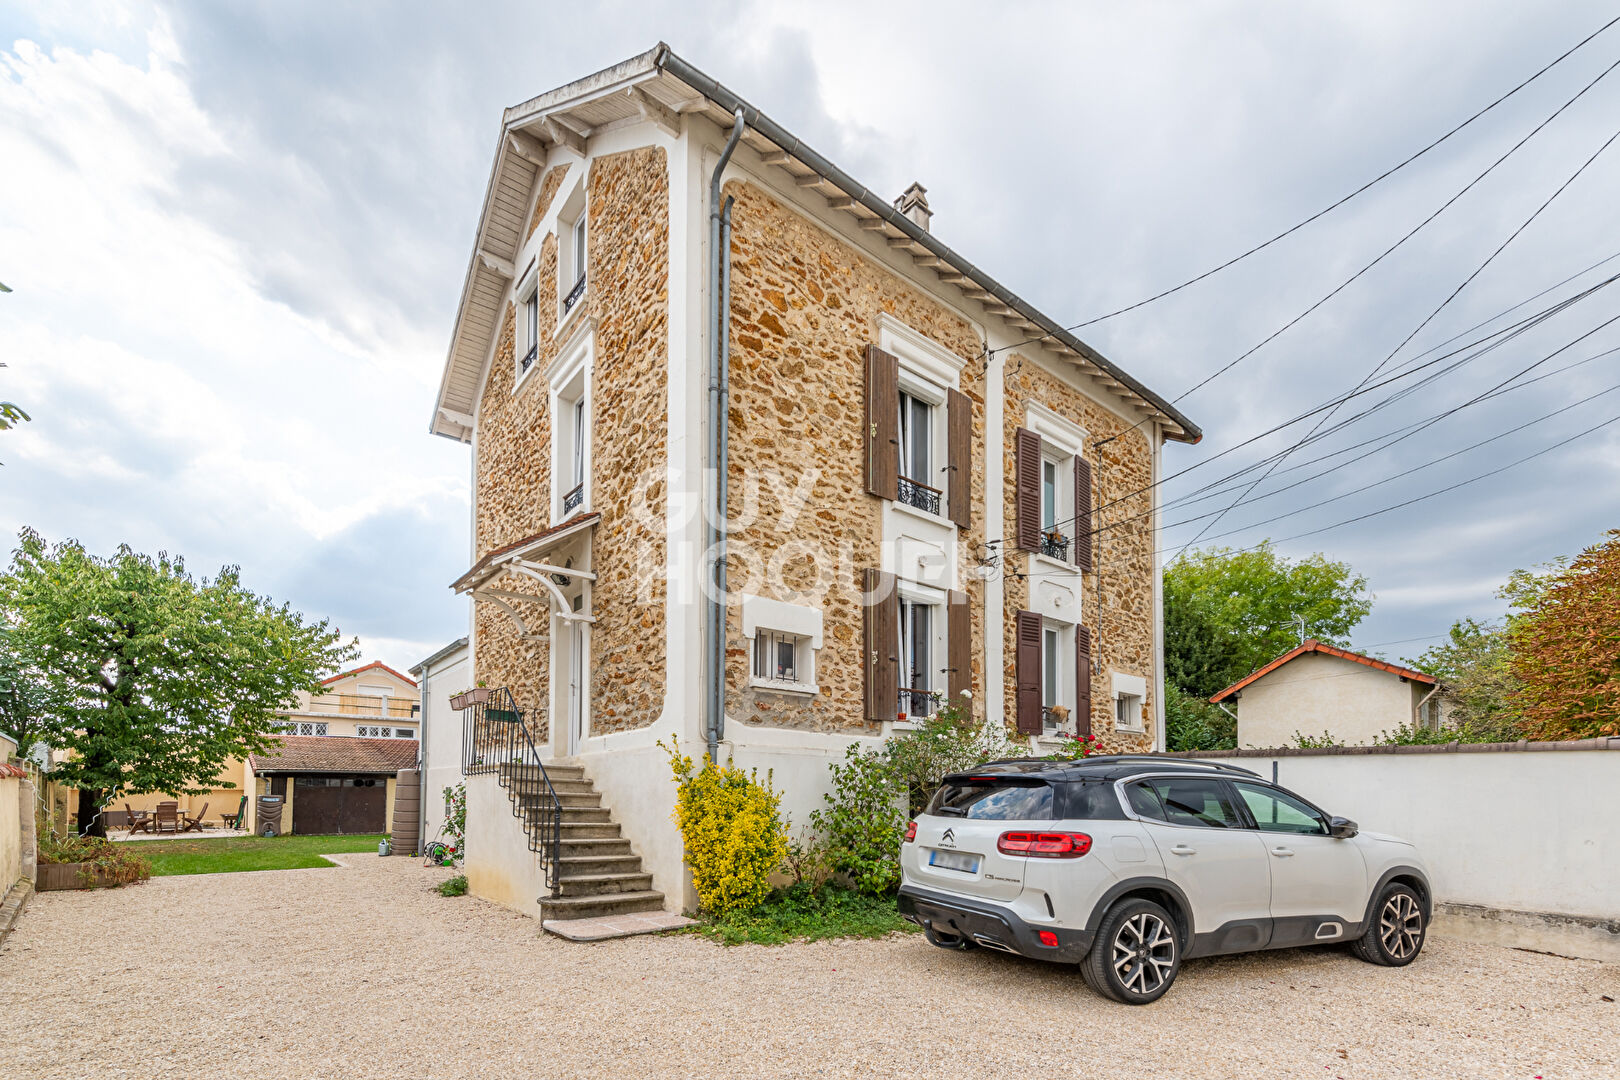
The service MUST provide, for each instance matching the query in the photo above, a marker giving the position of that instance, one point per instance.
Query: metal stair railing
(496, 739)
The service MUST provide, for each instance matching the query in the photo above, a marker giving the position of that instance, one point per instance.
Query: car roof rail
(1161, 760)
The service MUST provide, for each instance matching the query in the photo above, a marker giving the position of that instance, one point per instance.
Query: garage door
(340, 804)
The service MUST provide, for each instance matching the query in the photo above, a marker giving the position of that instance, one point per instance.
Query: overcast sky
(237, 234)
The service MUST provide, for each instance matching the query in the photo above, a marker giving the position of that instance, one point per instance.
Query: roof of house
(660, 87)
(375, 665)
(421, 666)
(336, 754)
(1311, 645)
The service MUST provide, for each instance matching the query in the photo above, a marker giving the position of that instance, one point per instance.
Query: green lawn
(230, 853)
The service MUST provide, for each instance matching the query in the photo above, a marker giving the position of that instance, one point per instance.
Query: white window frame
(573, 212)
(1062, 442)
(926, 369)
(798, 621)
(1057, 659)
(913, 594)
(1130, 694)
(571, 385)
(526, 337)
(296, 727)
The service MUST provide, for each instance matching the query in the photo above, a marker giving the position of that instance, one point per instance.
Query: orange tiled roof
(375, 664)
(1312, 645)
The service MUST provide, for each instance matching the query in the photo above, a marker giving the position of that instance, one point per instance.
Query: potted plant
(87, 862)
(466, 699)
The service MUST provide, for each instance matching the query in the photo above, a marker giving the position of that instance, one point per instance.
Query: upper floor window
(302, 727)
(530, 345)
(918, 453)
(572, 251)
(571, 430)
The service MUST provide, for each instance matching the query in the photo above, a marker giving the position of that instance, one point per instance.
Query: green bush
(1191, 723)
(456, 886)
(864, 819)
(802, 913)
(102, 858)
(1324, 741)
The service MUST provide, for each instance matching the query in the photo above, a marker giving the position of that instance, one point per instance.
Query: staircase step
(579, 814)
(608, 863)
(572, 847)
(604, 884)
(555, 772)
(589, 907)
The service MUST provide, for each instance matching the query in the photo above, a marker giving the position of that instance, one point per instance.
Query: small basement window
(781, 658)
(783, 639)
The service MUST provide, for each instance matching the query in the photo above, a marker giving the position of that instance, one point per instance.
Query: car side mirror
(1342, 828)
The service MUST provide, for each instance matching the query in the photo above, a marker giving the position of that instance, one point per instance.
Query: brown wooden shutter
(882, 423)
(1027, 494)
(959, 441)
(959, 644)
(880, 642)
(1027, 680)
(1082, 680)
(1082, 513)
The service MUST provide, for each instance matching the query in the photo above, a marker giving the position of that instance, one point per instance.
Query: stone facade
(1121, 618)
(628, 237)
(550, 184)
(804, 307)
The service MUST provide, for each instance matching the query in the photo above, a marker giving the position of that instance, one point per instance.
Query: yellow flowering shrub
(732, 827)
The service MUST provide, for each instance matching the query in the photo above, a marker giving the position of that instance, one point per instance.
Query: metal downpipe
(719, 390)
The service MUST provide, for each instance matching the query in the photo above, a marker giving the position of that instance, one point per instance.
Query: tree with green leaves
(151, 679)
(1476, 679)
(1228, 612)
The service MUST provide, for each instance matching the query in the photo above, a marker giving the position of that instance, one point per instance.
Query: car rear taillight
(1044, 845)
(911, 832)
(1048, 939)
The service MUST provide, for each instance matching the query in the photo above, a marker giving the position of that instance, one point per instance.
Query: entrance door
(575, 728)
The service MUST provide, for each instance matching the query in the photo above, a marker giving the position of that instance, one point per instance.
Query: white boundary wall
(1509, 828)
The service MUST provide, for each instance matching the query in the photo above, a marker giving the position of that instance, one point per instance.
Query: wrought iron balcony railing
(573, 498)
(1055, 545)
(574, 294)
(919, 495)
(528, 358)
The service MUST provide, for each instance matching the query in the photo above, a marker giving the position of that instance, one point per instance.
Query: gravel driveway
(361, 971)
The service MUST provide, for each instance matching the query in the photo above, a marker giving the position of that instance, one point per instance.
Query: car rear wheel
(1395, 935)
(944, 940)
(1136, 955)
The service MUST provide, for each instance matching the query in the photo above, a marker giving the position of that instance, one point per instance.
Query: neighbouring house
(438, 677)
(930, 487)
(332, 783)
(369, 702)
(1319, 688)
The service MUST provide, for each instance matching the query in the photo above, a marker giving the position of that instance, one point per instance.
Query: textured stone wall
(804, 307)
(628, 263)
(550, 184)
(1123, 619)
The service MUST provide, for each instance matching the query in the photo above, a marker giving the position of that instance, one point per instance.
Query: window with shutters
(1057, 502)
(919, 424)
(1050, 450)
(1057, 676)
(922, 447)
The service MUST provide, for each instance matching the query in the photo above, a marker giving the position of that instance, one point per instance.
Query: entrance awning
(526, 560)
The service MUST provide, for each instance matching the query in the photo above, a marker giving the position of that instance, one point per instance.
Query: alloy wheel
(1400, 926)
(1144, 953)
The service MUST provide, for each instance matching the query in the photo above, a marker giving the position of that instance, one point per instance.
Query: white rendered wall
(1316, 692)
(1515, 830)
(441, 736)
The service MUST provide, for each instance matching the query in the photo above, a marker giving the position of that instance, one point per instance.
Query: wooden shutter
(959, 443)
(1027, 493)
(959, 644)
(1027, 680)
(880, 641)
(1082, 680)
(1082, 513)
(882, 423)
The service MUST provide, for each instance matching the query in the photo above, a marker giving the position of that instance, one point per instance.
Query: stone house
(929, 486)
(1318, 688)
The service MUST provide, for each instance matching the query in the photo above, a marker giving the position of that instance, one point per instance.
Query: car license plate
(954, 860)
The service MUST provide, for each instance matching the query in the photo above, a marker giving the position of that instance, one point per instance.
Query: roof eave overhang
(538, 121)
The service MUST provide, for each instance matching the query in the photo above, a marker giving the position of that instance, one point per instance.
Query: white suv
(1127, 865)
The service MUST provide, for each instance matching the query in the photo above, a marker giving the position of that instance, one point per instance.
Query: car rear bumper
(991, 925)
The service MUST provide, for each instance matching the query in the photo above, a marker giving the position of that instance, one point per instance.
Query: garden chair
(188, 823)
(166, 818)
(139, 820)
(234, 821)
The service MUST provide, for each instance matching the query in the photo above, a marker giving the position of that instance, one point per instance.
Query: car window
(1276, 811)
(992, 799)
(1144, 801)
(1193, 801)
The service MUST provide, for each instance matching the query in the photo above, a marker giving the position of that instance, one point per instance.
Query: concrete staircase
(598, 875)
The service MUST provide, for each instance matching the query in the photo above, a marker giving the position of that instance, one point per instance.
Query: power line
(1334, 206)
(1466, 281)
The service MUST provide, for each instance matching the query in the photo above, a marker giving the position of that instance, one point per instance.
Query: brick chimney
(914, 204)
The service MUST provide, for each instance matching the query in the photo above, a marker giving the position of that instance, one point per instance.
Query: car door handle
(1183, 849)
(1282, 852)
